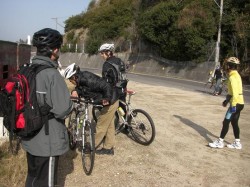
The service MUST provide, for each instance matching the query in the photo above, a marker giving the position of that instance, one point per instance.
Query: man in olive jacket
(43, 150)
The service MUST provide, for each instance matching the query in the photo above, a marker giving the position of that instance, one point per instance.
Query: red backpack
(21, 111)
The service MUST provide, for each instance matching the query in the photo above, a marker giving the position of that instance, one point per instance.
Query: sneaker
(235, 145)
(104, 151)
(216, 144)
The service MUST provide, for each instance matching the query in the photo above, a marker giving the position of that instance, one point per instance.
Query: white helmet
(233, 60)
(107, 47)
(70, 71)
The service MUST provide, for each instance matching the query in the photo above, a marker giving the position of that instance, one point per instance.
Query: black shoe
(104, 151)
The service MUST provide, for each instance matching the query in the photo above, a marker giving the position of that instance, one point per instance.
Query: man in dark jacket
(88, 85)
(105, 125)
(43, 150)
(92, 86)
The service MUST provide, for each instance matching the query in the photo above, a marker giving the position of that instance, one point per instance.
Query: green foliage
(105, 22)
(180, 30)
(92, 45)
(180, 33)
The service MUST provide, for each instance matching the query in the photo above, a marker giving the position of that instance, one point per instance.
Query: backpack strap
(115, 67)
(45, 108)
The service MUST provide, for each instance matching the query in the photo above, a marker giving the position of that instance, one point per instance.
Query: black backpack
(21, 111)
(119, 70)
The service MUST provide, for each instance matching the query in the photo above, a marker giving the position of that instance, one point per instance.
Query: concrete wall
(145, 64)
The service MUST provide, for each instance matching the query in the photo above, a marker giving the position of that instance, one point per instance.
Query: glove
(224, 103)
(233, 109)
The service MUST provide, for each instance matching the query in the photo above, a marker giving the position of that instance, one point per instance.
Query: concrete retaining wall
(145, 64)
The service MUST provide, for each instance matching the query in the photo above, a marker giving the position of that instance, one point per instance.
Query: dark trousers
(233, 118)
(42, 171)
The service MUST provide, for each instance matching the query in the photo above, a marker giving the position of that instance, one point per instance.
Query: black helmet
(47, 38)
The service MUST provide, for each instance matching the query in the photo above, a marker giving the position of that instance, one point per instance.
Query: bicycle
(81, 132)
(209, 86)
(137, 122)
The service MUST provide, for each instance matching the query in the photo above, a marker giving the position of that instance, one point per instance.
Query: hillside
(174, 29)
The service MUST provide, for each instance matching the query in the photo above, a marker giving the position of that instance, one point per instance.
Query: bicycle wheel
(88, 148)
(14, 143)
(224, 90)
(142, 127)
(96, 111)
(209, 88)
(72, 125)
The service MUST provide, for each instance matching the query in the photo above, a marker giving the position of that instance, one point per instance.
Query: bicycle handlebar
(82, 100)
(86, 101)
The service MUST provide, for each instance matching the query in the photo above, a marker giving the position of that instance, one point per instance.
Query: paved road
(175, 82)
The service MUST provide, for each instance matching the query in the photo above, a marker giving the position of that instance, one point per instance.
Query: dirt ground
(185, 122)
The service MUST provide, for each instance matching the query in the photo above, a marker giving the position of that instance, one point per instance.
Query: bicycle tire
(142, 127)
(209, 88)
(96, 112)
(14, 143)
(72, 129)
(224, 90)
(88, 148)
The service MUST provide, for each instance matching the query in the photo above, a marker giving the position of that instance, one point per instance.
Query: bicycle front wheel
(209, 88)
(88, 148)
(142, 127)
(72, 125)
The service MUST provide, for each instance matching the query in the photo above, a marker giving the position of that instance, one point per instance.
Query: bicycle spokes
(142, 127)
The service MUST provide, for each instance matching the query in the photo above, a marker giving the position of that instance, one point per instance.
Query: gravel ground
(185, 122)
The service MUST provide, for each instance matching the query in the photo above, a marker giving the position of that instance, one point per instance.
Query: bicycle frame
(82, 110)
(136, 123)
(84, 134)
(129, 108)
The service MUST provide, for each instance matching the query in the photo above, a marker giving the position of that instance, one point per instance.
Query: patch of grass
(13, 168)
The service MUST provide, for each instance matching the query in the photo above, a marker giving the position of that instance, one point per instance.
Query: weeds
(13, 167)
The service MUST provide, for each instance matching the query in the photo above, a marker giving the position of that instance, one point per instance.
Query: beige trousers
(105, 126)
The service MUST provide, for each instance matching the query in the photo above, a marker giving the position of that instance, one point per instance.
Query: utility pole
(56, 21)
(217, 51)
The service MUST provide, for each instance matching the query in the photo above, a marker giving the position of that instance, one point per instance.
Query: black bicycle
(81, 132)
(136, 122)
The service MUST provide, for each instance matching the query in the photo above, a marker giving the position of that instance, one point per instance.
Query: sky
(20, 18)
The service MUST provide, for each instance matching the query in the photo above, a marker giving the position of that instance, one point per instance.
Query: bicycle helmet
(70, 71)
(47, 38)
(107, 47)
(233, 60)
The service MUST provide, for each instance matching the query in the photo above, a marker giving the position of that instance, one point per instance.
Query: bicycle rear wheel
(224, 90)
(72, 125)
(142, 127)
(88, 148)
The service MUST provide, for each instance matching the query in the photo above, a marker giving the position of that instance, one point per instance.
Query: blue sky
(20, 18)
